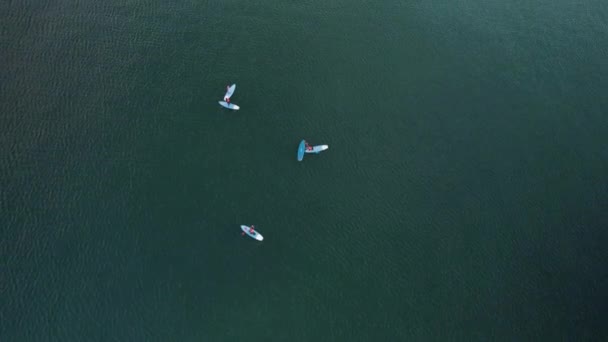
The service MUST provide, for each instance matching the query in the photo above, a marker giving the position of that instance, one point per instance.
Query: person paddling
(251, 230)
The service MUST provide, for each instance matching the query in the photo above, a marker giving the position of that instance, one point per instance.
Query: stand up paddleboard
(301, 149)
(229, 105)
(229, 91)
(254, 235)
(317, 149)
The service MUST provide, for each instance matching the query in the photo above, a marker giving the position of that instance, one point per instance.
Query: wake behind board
(301, 149)
(229, 105)
(317, 149)
(230, 91)
(254, 235)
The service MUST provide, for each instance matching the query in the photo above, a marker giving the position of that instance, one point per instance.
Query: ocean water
(463, 196)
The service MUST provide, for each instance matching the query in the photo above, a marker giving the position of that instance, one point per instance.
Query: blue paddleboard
(301, 149)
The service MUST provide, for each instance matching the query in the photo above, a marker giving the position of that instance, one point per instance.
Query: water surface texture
(463, 196)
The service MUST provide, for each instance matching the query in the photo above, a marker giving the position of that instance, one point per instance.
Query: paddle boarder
(308, 147)
(251, 231)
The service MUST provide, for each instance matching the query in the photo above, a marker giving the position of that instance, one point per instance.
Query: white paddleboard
(254, 235)
(229, 91)
(229, 105)
(317, 149)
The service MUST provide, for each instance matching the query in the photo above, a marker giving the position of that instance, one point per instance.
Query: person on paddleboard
(227, 99)
(251, 230)
(308, 147)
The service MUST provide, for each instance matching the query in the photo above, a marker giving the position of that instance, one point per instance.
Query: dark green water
(463, 197)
